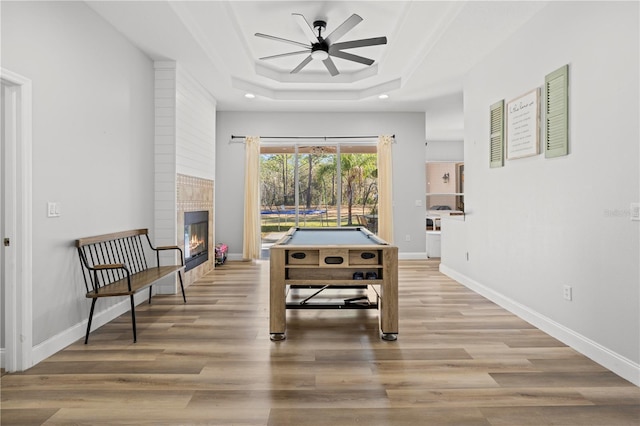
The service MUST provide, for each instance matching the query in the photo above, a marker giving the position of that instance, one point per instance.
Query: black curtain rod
(311, 137)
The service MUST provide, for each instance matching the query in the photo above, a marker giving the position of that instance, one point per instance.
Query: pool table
(335, 258)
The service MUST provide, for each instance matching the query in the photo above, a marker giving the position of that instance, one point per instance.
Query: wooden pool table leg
(389, 296)
(277, 308)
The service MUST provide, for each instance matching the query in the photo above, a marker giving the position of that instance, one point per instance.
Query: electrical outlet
(567, 292)
(407, 237)
(635, 211)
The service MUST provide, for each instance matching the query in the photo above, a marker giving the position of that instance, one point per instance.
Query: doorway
(16, 222)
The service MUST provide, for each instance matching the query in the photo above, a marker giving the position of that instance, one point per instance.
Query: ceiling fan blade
(306, 28)
(344, 28)
(331, 67)
(351, 57)
(302, 64)
(358, 43)
(282, 55)
(284, 40)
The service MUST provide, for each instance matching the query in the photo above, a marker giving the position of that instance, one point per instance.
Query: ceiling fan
(323, 48)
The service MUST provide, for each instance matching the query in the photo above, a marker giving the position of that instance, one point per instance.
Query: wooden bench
(116, 265)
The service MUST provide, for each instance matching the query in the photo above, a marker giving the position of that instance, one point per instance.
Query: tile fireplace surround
(195, 194)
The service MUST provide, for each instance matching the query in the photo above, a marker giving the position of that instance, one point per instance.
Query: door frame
(18, 217)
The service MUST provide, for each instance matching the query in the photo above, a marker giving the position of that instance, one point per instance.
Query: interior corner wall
(408, 165)
(537, 224)
(92, 146)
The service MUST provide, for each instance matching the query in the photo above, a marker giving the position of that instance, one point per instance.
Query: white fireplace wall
(185, 120)
(195, 128)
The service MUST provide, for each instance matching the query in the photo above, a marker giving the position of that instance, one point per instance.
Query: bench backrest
(120, 247)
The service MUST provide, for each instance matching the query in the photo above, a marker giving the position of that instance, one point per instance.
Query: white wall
(445, 151)
(538, 224)
(92, 144)
(3, 232)
(408, 165)
(165, 163)
(195, 128)
(444, 121)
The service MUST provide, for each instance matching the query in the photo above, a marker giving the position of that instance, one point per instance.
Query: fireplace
(196, 238)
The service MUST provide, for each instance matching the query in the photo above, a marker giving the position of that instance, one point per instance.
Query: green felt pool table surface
(331, 236)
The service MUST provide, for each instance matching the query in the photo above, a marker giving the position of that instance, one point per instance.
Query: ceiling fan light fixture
(319, 54)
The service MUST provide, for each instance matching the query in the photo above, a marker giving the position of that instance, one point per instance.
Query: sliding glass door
(317, 185)
(316, 200)
(359, 186)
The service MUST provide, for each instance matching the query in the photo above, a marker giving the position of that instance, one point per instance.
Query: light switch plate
(53, 209)
(635, 211)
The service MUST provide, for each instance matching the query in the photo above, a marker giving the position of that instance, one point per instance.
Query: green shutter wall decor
(556, 87)
(497, 134)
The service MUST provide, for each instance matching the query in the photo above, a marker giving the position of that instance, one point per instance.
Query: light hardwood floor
(459, 360)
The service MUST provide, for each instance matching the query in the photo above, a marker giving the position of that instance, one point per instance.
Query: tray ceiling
(431, 46)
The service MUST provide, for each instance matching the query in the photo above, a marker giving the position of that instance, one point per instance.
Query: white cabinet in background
(433, 243)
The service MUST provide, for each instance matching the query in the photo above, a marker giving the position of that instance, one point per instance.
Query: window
(317, 185)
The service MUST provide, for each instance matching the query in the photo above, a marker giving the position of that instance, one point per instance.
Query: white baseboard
(61, 340)
(412, 256)
(609, 359)
(234, 256)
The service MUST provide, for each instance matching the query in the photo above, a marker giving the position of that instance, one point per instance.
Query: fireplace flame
(196, 238)
(195, 242)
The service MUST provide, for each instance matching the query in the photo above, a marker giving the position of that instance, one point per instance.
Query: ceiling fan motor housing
(322, 46)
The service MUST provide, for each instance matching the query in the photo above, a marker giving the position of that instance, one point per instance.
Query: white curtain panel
(252, 240)
(385, 193)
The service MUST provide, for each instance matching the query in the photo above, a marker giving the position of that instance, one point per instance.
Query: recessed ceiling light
(383, 96)
(249, 95)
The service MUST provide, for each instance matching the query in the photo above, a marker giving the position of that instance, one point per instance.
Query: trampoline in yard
(285, 213)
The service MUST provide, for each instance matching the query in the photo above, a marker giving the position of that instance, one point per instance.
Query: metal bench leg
(182, 287)
(133, 317)
(93, 304)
